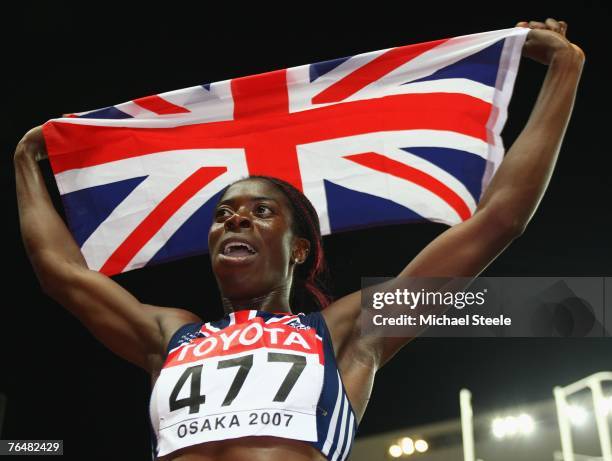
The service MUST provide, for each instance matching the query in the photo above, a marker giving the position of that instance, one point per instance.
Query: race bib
(253, 378)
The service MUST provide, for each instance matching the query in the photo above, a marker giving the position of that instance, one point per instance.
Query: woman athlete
(264, 241)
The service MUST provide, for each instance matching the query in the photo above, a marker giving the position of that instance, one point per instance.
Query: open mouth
(237, 250)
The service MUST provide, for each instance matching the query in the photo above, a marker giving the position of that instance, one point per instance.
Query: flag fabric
(404, 134)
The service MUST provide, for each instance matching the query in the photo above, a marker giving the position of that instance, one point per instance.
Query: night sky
(62, 384)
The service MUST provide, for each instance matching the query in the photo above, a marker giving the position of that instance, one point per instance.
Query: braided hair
(308, 291)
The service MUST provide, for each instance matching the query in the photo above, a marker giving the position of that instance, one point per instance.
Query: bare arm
(509, 202)
(134, 331)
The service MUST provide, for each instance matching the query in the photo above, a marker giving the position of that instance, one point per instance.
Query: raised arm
(134, 331)
(507, 205)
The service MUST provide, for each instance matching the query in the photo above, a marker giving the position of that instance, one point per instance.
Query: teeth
(231, 245)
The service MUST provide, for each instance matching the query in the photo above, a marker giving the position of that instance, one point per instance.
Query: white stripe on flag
(135, 110)
(220, 107)
(448, 85)
(506, 76)
(193, 99)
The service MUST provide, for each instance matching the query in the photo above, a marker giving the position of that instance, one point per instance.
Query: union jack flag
(397, 135)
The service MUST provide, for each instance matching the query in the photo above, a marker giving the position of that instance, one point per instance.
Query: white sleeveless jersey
(251, 373)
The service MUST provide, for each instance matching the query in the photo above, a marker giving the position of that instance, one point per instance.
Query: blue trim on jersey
(336, 419)
(340, 444)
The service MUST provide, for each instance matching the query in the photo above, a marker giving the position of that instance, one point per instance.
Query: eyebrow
(252, 199)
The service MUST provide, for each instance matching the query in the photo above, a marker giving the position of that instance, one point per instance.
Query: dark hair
(309, 291)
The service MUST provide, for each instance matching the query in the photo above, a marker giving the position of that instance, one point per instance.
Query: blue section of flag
(192, 237)
(107, 112)
(323, 67)
(347, 209)
(465, 166)
(206, 86)
(87, 208)
(481, 67)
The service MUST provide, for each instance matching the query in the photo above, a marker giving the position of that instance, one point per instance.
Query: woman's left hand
(546, 39)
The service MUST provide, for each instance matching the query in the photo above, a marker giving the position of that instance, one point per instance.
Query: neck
(275, 301)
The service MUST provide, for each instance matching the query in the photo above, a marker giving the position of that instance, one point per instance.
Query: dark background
(62, 384)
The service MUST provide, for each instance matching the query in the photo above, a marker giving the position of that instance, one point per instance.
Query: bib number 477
(244, 365)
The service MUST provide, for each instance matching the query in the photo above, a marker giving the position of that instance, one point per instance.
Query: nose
(237, 221)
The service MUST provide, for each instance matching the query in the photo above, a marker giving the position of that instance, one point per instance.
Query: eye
(222, 213)
(263, 210)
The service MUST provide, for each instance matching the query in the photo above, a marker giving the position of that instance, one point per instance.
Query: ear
(301, 250)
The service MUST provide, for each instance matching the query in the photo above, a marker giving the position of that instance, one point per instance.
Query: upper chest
(284, 354)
